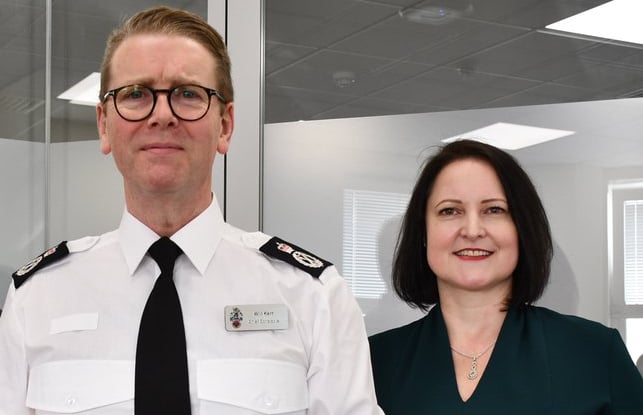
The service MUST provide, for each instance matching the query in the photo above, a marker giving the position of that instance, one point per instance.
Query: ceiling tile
(449, 88)
(324, 72)
(321, 24)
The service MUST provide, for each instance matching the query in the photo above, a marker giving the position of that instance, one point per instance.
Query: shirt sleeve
(626, 383)
(340, 379)
(13, 362)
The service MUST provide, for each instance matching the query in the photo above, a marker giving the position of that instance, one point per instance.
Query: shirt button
(70, 400)
(271, 401)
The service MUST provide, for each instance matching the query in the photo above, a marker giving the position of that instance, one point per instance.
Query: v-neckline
(445, 345)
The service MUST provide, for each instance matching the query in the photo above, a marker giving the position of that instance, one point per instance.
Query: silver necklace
(473, 371)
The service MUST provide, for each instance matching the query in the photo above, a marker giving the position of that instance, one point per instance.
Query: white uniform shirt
(68, 334)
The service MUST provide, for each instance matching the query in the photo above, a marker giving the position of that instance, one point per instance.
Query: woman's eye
(496, 210)
(447, 212)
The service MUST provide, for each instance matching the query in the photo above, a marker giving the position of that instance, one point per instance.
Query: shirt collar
(198, 239)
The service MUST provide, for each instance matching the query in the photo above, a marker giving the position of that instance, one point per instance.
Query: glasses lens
(134, 102)
(190, 102)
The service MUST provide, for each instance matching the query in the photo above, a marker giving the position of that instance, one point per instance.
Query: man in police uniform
(268, 327)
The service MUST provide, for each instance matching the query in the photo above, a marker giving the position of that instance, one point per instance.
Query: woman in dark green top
(475, 250)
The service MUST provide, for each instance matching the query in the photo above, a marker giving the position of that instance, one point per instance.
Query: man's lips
(161, 147)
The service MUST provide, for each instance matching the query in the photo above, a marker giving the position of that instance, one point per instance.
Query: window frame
(619, 312)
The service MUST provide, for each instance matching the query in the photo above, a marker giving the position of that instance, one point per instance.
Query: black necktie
(161, 382)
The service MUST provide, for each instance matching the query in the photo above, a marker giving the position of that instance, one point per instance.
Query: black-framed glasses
(187, 102)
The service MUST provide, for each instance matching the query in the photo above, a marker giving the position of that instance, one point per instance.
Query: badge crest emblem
(236, 317)
(29, 266)
(300, 258)
(48, 257)
(255, 317)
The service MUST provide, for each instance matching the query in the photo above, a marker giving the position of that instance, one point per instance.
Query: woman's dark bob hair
(416, 283)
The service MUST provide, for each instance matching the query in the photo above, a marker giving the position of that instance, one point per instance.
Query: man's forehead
(148, 59)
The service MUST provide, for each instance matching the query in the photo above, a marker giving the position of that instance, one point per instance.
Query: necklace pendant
(473, 372)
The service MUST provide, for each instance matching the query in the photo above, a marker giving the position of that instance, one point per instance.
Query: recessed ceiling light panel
(511, 136)
(618, 20)
(84, 92)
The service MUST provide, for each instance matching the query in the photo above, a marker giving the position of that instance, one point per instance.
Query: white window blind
(633, 247)
(365, 213)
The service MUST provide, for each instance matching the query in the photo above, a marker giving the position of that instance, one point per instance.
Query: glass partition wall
(358, 93)
(55, 184)
(23, 40)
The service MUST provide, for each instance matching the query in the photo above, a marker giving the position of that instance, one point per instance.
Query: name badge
(252, 317)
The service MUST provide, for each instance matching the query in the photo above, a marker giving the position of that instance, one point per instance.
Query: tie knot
(164, 251)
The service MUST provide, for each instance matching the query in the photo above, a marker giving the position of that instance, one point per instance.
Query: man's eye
(135, 94)
(187, 93)
(131, 94)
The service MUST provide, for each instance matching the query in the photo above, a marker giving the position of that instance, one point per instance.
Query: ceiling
(355, 58)
(338, 58)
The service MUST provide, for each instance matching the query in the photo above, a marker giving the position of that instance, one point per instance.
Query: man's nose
(162, 112)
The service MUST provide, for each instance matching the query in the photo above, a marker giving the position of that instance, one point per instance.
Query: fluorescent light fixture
(511, 136)
(84, 92)
(618, 19)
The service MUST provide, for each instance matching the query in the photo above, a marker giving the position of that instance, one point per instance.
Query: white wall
(85, 198)
(575, 199)
(86, 191)
(21, 207)
(309, 164)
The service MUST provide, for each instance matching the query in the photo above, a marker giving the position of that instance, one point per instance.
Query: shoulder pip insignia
(294, 255)
(48, 257)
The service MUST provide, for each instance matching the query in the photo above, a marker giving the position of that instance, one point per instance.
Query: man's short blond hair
(172, 22)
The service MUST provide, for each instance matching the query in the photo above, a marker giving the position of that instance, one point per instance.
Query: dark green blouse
(543, 363)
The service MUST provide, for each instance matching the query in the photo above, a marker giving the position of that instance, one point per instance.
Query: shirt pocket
(74, 322)
(74, 386)
(251, 386)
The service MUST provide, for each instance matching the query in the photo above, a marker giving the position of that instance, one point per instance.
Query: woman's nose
(473, 226)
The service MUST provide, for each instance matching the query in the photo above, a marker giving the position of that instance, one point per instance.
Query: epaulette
(48, 257)
(294, 255)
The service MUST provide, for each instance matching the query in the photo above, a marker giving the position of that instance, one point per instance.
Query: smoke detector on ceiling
(436, 14)
(344, 79)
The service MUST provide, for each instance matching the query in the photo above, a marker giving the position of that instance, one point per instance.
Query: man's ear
(227, 126)
(105, 146)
